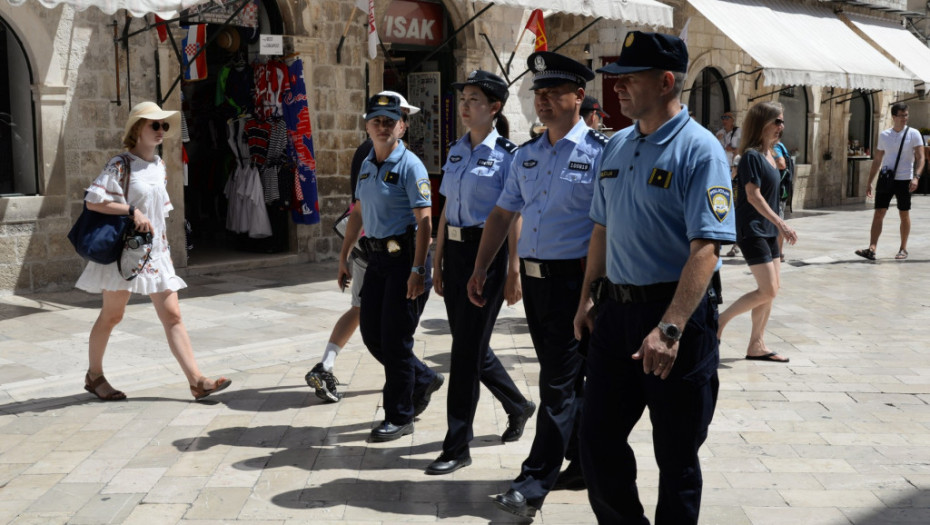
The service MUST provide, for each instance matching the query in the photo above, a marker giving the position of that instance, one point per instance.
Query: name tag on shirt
(609, 174)
(487, 163)
(580, 166)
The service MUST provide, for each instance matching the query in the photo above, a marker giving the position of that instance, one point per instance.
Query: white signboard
(424, 134)
(271, 45)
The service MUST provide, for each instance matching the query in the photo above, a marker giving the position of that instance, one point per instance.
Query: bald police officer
(661, 209)
(551, 183)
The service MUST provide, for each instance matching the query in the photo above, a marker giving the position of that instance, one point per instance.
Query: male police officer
(592, 113)
(551, 183)
(661, 208)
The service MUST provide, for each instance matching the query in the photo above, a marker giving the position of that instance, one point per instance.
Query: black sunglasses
(778, 122)
(160, 125)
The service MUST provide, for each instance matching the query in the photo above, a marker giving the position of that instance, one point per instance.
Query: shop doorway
(18, 173)
(233, 212)
(709, 99)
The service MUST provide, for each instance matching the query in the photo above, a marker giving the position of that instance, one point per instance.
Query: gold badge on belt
(393, 246)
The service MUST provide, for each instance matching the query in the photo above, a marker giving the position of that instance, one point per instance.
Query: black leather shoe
(516, 423)
(514, 503)
(388, 431)
(422, 401)
(570, 478)
(447, 466)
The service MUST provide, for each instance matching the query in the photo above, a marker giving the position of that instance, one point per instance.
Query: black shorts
(901, 193)
(759, 250)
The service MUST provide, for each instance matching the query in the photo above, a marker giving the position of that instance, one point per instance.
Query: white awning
(138, 8)
(898, 42)
(640, 12)
(798, 44)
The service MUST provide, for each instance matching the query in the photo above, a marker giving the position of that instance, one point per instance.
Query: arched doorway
(860, 120)
(795, 103)
(709, 98)
(18, 174)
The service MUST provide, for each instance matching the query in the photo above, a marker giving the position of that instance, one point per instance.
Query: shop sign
(220, 11)
(271, 45)
(416, 23)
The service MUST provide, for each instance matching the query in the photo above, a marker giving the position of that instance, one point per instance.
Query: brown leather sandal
(91, 386)
(199, 392)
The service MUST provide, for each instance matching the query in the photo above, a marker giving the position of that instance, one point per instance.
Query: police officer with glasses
(393, 206)
(550, 185)
(662, 206)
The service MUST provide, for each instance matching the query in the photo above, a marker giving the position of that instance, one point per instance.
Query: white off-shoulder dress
(148, 193)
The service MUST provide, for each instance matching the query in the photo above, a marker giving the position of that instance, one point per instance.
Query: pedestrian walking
(321, 377)
(473, 178)
(661, 209)
(147, 202)
(550, 185)
(758, 224)
(393, 206)
(901, 169)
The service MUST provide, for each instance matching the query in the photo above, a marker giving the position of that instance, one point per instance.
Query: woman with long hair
(474, 176)
(758, 224)
(146, 201)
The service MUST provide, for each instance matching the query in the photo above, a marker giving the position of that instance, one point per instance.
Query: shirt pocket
(582, 186)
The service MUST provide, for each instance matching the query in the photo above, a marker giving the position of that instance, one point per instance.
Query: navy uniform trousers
(388, 320)
(680, 408)
(550, 306)
(472, 357)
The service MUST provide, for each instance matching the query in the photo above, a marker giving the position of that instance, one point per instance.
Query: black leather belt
(627, 293)
(391, 245)
(552, 268)
(466, 234)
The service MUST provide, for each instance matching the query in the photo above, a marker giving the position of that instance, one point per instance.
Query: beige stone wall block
(56, 275)
(9, 250)
(13, 277)
(36, 248)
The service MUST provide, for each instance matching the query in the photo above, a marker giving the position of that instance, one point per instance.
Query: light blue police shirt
(474, 178)
(390, 192)
(656, 193)
(552, 186)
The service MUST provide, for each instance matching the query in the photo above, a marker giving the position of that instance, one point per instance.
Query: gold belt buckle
(393, 246)
(533, 269)
(455, 233)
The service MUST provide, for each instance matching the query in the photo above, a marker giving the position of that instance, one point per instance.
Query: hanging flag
(162, 29)
(536, 26)
(372, 30)
(684, 31)
(196, 39)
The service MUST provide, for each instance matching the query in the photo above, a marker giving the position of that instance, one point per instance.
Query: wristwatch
(670, 331)
(132, 211)
(419, 270)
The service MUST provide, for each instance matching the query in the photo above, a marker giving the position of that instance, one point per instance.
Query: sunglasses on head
(160, 125)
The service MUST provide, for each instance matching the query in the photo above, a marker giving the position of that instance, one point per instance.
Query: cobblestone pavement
(837, 436)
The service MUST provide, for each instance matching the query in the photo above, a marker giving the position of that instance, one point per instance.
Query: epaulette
(598, 136)
(508, 146)
(532, 140)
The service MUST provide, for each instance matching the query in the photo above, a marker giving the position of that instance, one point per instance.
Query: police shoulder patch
(719, 199)
(455, 158)
(599, 137)
(508, 146)
(424, 187)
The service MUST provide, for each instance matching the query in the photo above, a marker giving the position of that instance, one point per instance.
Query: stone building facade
(78, 125)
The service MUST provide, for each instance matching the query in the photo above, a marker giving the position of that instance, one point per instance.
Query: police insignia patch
(719, 199)
(455, 158)
(391, 177)
(424, 187)
(529, 163)
(660, 178)
(629, 40)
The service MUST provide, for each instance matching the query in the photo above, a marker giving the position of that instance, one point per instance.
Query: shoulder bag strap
(901, 147)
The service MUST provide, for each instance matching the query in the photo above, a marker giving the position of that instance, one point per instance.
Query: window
(18, 174)
(794, 101)
(860, 120)
(709, 99)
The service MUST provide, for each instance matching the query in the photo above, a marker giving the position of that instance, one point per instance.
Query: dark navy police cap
(591, 104)
(642, 51)
(552, 69)
(383, 105)
(490, 83)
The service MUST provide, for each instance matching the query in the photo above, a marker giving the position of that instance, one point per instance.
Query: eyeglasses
(160, 125)
(779, 122)
(726, 117)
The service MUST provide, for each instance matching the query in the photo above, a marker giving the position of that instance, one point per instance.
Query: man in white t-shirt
(729, 136)
(907, 174)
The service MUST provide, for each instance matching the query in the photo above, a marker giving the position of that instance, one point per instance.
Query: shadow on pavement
(436, 497)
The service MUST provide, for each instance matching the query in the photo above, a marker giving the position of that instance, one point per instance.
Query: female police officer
(474, 176)
(394, 207)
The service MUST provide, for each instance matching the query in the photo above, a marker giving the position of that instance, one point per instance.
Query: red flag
(162, 29)
(536, 26)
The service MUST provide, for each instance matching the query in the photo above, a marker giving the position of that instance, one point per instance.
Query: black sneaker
(324, 383)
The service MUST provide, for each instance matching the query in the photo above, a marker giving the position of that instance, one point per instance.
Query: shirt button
(631, 168)
(636, 154)
(534, 229)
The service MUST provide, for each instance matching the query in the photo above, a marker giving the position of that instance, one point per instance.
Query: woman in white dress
(148, 204)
